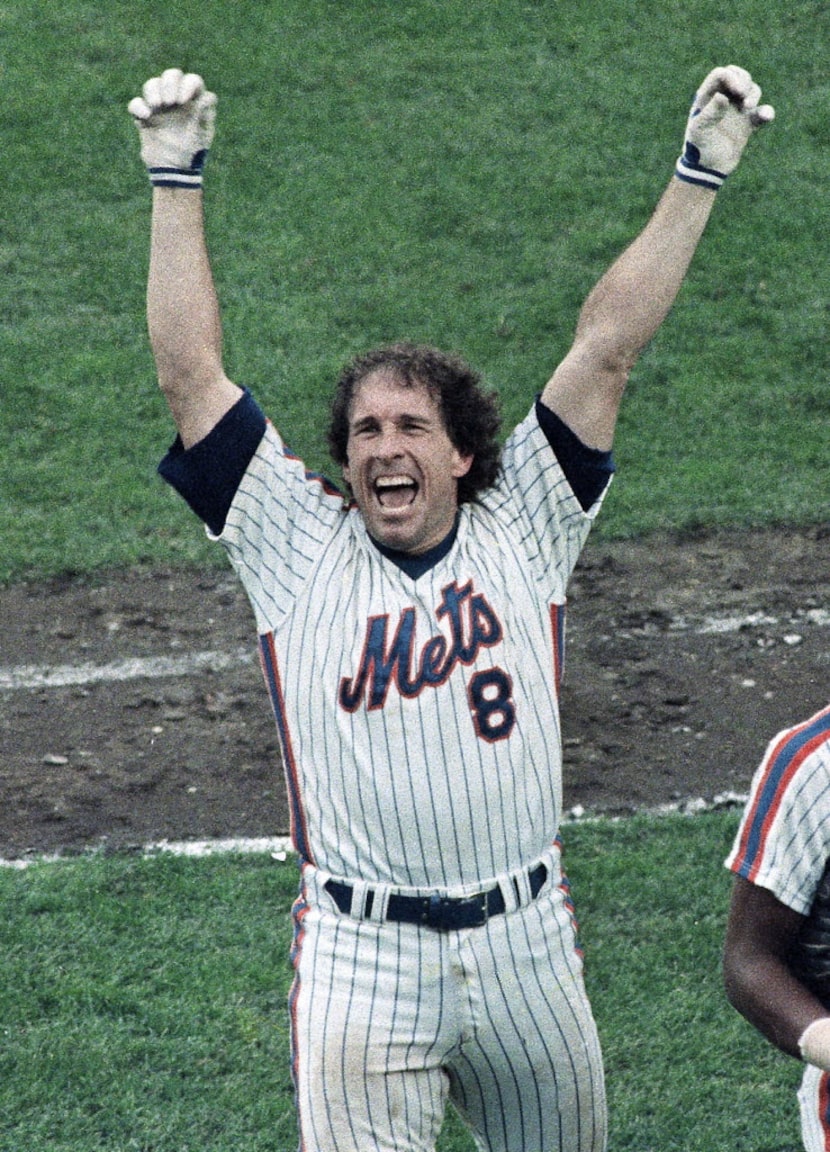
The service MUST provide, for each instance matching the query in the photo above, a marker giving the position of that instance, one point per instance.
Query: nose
(388, 445)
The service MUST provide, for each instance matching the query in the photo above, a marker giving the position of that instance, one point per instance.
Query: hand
(725, 112)
(175, 117)
(814, 1044)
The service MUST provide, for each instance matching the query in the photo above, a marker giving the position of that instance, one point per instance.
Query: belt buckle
(449, 914)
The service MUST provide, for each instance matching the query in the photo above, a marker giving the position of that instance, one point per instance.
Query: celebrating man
(410, 632)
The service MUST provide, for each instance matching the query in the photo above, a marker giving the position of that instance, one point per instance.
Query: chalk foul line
(279, 848)
(29, 676)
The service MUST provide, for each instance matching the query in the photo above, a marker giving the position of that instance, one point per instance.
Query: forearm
(183, 315)
(630, 302)
(623, 312)
(766, 993)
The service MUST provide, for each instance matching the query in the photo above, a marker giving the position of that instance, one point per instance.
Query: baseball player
(410, 631)
(777, 950)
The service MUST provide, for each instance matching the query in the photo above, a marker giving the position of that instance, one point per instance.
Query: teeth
(392, 481)
(395, 491)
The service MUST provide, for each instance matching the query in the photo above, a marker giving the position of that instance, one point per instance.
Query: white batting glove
(725, 112)
(814, 1044)
(175, 117)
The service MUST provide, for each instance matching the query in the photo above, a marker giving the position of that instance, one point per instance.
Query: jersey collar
(415, 566)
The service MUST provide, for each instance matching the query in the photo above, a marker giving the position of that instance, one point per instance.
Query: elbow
(753, 988)
(183, 376)
(743, 978)
(620, 360)
(732, 983)
(613, 346)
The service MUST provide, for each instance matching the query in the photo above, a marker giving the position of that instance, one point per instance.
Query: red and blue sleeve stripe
(784, 758)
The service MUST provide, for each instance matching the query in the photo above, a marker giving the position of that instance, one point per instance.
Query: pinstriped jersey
(783, 842)
(418, 717)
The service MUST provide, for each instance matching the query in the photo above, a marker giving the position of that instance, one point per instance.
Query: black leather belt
(444, 913)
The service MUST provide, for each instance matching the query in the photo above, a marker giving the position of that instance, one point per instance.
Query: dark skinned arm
(760, 934)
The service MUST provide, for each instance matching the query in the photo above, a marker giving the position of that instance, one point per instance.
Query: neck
(415, 565)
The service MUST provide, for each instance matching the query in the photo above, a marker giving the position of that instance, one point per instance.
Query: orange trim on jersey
(824, 1110)
(270, 669)
(557, 626)
(299, 912)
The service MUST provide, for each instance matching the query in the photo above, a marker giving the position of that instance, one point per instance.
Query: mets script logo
(472, 625)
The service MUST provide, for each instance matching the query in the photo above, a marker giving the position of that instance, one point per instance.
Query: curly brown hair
(471, 414)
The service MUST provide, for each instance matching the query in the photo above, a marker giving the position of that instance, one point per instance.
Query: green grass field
(443, 171)
(457, 173)
(142, 1004)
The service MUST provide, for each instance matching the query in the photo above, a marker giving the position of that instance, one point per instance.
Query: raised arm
(632, 299)
(175, 116)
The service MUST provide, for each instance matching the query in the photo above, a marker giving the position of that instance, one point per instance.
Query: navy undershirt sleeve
(208, 474)
(587, 470)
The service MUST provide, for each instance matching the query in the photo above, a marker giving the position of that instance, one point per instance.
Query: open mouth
(395, 491)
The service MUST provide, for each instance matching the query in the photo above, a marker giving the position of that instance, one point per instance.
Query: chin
(401, 543)
(392, 536)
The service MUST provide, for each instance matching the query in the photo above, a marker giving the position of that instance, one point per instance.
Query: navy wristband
(180, 177)
(690, 169)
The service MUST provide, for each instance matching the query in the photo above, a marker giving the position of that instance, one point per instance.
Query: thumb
(763, 115)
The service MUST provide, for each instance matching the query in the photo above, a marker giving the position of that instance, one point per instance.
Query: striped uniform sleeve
(537, 497)
(256, 497)
(783, 841)
(278, 526)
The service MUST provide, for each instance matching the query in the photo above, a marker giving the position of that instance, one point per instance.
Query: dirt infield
(684, 657)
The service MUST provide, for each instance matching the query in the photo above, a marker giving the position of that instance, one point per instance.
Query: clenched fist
(175, 117)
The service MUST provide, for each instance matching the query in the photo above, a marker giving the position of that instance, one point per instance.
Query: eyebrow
(364, 423)
(405, 418)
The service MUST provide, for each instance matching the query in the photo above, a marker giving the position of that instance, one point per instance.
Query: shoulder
(784, 838)
(797, 752)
